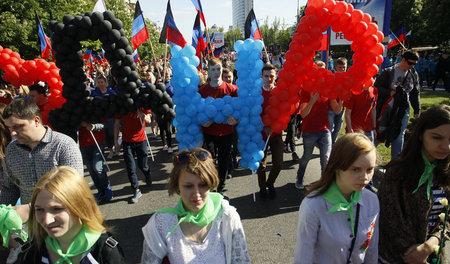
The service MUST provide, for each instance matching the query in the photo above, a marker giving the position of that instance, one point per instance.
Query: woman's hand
(417, 254)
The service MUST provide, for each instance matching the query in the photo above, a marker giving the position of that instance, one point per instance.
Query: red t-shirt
(317, 119)
(85, 138)
(361, 106)
(45, 112)
(218, 92)
(132, 127)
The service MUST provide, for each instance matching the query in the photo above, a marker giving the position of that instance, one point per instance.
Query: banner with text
(380, 10)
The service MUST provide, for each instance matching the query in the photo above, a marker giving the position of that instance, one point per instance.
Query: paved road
(270, 226)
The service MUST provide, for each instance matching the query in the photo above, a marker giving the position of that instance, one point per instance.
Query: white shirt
(324, 237)
(224, 243)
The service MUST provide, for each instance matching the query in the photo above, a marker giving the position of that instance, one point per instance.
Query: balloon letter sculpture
(192, 110)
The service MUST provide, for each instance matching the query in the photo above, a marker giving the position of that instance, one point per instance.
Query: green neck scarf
(10, 222)
(206, 215)
(334, 196)
(427, 175)
(82, 242)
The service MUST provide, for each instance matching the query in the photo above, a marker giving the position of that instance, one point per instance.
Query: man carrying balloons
(218, 135)
(269, 75)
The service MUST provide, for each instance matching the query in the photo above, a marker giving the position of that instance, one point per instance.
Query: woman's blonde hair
(205, 169)
(71, 189)
(345, 151)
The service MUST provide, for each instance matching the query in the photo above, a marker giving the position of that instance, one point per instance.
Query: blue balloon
(219, 103)
(258, 44)
(182, 146)
(237, 115)
(259, 64)
(238, 45)
(244, 120)
(189, 138)
(219, 118)
(243, 163)
(193, 129)
(183, 62)
(253, 166)
(250, 129)
(240, 129)
(191, 110)
(211, 111)
(251, 147)
(184, 100)
(258, 155)
(188, 51)
(227, 110)
(245, 111)
(248, 44)
(256, 110)
(175, 50)
(202, 118)
(190, 71)
(241, 146)
(244, 138)
(227, 99)
(194, 60)
(175, 122)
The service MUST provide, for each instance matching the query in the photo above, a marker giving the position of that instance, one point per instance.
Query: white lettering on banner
(376, 8)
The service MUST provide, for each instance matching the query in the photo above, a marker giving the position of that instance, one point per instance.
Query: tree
(144, 50)
(231, 36)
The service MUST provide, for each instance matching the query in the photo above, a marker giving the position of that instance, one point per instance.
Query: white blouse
(224, 243)
(324, 237)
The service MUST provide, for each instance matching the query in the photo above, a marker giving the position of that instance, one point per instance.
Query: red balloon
(367, 18)
(340, 8)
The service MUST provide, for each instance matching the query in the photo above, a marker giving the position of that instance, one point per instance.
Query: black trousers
(294, 125)
(223, 146)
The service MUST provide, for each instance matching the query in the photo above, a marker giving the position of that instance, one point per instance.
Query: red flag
(139, 33)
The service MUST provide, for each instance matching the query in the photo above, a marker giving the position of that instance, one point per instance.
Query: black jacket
(105, 251)
(383, 84)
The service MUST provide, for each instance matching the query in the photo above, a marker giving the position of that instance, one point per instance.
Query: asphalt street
(270, 226)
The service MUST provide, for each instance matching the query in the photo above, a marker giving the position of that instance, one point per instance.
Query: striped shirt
(437, 195)
(25, 166)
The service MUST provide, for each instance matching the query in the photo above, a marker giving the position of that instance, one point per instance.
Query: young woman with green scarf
(202, 227)
(65, 223)
(411, 190)
(338, 218)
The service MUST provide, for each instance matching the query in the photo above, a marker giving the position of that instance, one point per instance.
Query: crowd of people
(342, 217)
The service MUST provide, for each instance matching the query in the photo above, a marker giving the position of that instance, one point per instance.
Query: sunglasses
(411, 63)
(186, 156)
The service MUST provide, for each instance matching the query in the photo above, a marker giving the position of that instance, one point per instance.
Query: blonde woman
(65, 223)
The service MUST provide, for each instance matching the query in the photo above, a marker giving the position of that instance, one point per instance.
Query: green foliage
(231, 36)
(428, 20)
(275, 36)
(145, 52)
(18, 29)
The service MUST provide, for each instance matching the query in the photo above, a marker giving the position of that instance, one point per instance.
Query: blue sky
(217, 12)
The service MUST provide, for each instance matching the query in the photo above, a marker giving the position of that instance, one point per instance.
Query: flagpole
(153, 52)
(265, 50)
(164, 65)
(209, 41)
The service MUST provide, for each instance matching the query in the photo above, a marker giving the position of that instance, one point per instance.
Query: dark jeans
(165, 131)
(223, 146)
(446, 80)
(276, 147)
(234, 151)
(94, 163)
(294, 125)
(109, 133)
(138, 150)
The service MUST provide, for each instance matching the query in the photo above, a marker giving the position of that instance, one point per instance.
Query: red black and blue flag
(251, 27)
(88, 56)
(139, 33)
(198, 42)
(170, 30)
(43, 39)
(198, 6)
(396, 38)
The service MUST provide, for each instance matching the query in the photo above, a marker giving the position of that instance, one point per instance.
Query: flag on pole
(198, 6)
(99, 6)
(251, 26)
(198, 42)
(170, 30)
(396, 38)
(43, 39)
(408, 37)
(136, 56)
(139, 33)
(88, 56)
